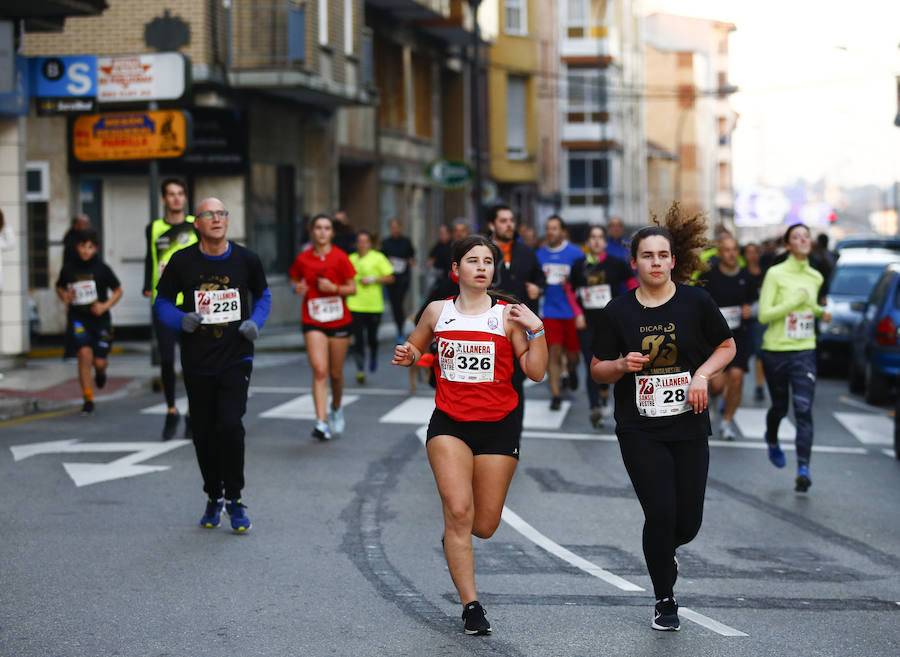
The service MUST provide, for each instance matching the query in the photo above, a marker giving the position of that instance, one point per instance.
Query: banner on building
(126, 78)
(131, 135)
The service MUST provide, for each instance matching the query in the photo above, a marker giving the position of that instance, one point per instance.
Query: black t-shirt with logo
(91, 281)
(678, 336)
(226, 285)
(729, 290)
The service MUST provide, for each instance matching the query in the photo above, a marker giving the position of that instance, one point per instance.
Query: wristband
(531, 336)
(702, 376)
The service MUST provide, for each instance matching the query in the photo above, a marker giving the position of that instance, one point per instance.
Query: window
(588, 179)
(585, 19)
(38, 255)
(576, 19)
(276, 223)
(586, 96)
(389, 80)
(515, 16)
(37, 181)
(348, 26)
(422, 95)
(516, 87)
(323, 22)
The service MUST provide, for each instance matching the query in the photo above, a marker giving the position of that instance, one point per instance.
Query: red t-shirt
(474, 365)
(320, 308)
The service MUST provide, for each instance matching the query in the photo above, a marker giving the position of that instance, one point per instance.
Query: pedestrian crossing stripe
(867, 428)
(752, 423)
(301, 408)
(418, 410)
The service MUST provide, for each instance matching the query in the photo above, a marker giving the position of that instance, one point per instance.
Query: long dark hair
(686, 236)
(463, 246)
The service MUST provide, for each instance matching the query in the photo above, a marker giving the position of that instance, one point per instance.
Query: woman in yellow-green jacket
(787, 303)
(372, 271)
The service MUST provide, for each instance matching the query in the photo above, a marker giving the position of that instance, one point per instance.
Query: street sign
(125, 78)
(84, 474)
(449, 174)
(64, 77)
(130, 135)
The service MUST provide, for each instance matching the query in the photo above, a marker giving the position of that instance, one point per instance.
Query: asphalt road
(344, 557)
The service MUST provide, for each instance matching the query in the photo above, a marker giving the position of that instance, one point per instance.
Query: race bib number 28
(466, 361)
(218, 306)
(662, 395)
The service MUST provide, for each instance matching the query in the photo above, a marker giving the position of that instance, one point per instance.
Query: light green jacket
(783, 293)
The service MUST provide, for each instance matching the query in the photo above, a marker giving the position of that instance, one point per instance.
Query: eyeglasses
(209, 214)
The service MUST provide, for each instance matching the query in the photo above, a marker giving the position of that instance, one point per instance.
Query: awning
(418, 15)
(49, 15)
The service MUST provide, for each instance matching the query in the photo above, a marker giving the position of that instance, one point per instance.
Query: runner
(473, 443)
(788, 305)
(165, 237)
(732, 288)
(660, 345)
(323, 276)
(372, 271)
(83, 286)
(399, 250)
(556, 260)
(597, 279)
(216, 279)
(754, 327)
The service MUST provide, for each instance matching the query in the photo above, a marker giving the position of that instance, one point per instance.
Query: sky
(818, 88)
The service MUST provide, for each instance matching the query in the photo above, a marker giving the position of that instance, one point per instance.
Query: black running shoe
(188, 429)
(476, 623)
(665, 616)
(87, 408)
(100, 378)
(556, 403)
(170, 426)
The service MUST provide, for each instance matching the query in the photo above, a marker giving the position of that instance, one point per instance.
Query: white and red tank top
(474, 365)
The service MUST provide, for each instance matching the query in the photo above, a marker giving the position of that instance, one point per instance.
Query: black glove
(190, 322)
(249, 329)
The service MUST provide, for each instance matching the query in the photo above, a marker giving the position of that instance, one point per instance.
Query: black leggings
(669, 478)
(365, 330)
(396, 294)
(217, 406)
(166, 338)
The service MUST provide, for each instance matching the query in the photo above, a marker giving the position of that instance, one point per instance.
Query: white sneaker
(321, 431)
(336, 420)
(607, 410)
(726, 430)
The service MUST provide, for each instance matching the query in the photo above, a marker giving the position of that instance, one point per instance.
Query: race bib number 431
(662, 395)
(466, 361)
(218, 306)
(326, 309)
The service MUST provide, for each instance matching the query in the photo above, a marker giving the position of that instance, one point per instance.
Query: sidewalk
(48, 383)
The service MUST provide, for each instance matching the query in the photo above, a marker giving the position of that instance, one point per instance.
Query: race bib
(85, 292)
(218, 306)
(595, 296)
(662, 395)
(556, 274)
(162, 268)
(799, 326)
(326, 309)
(466, 361)
(399, 264)
(732, 315)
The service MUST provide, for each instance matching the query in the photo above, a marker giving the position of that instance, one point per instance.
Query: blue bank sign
(64, 77)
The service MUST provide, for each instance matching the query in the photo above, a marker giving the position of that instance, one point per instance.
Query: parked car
(851, 282)
(874, 344)
(868, 242)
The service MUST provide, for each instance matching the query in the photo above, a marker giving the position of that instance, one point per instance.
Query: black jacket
(523, 268)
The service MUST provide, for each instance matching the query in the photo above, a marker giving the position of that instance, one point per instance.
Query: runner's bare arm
(698, 393)
(408, 353)
(610, 371)
(532, 354)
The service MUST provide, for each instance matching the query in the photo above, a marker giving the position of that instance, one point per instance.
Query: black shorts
(744, 351)
(96, 334)
(499, 437)
(337, 332)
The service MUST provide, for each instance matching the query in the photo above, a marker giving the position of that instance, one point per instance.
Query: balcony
(267, 36)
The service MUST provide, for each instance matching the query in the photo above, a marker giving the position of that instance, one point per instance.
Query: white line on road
(863, 405)
(516, 522)
(300, 390)
(868, 428)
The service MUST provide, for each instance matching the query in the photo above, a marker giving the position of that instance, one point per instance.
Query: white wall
(13, 299)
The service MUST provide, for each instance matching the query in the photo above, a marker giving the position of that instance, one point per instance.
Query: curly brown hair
(687, 237)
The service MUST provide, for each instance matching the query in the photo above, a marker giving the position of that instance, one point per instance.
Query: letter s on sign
(79, 79)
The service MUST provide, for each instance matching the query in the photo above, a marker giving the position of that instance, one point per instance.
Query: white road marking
(181, 403)
(300, 408)
(299, 390)
(84, 474)
(515, 521)
(752, 423)
(539, 416)
(890, 453)
(415, 410)
(868, 428)
(863, 405)
(546, 435)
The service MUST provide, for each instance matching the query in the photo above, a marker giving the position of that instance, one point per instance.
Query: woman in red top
(473, 439)
(323, 276)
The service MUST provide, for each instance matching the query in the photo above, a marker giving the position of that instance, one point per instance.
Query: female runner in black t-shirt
(674, 339)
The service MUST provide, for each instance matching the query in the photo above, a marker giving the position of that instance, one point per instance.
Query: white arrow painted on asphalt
(84, 474)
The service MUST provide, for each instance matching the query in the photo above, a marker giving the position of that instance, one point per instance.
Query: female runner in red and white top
(473, 441)
(323, 276)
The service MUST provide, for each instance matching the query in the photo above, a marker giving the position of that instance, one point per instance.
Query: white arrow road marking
(84, 474)
(516, 522)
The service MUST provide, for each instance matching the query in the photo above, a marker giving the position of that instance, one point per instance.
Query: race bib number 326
(466, 361)
(662, 395)
(218, 306)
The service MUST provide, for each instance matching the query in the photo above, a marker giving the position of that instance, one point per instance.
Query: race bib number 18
(218, 306)
(662, 395)
(466, 361)
(800, 326)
